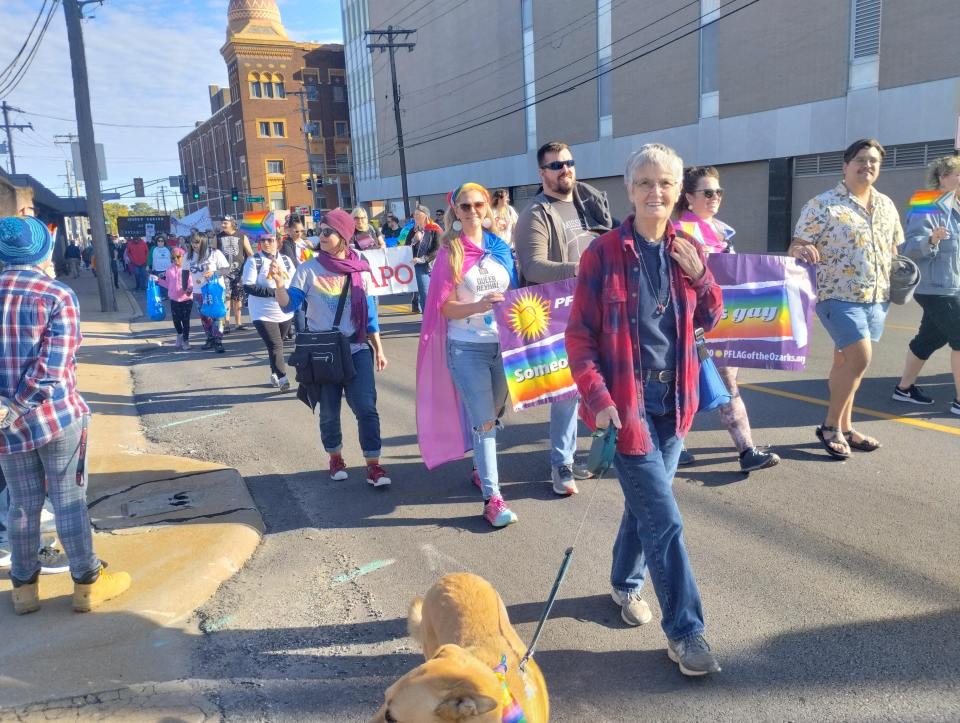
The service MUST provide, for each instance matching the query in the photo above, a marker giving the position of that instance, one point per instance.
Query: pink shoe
(496, 512)
(338, 468)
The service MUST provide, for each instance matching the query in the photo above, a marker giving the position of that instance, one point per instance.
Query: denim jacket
(940, 264)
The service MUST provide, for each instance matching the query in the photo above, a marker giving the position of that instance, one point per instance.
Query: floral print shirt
(856, 245)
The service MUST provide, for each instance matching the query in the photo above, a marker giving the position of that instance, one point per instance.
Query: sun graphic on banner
(529, 316)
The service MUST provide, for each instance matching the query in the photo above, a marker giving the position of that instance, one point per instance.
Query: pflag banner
(391, 271)
(768, 309)
(531, 323)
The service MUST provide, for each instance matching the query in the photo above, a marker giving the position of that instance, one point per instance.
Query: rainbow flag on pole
(925, 201)
(258, 223)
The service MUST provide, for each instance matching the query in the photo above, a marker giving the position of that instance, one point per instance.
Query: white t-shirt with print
(485, 277)
(266, 308)
(214, 261)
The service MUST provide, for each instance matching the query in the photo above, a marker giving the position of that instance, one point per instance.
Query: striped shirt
(39, 338)
(603, 344)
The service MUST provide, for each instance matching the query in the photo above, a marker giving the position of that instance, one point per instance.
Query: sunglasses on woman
(327, 232)
(710, 192)
(467, 207)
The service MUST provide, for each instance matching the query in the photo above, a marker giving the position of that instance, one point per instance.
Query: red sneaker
(377, 476)
(338, 468)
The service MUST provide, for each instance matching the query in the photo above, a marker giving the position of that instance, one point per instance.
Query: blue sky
(149, 61)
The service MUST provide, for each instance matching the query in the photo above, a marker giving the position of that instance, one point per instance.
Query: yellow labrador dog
(465, 633)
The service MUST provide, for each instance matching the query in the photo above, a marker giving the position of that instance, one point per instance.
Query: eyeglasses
(646, 185)
(478, 206)
(558, 165)
(710, 192)
(327, 232)
(268, 240)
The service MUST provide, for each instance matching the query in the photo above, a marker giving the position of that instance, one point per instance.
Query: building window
(256, 89)
(341, 129)
(267, 89)
(278, 89)
(343, 163)
(275, 167)
(339, 94)
(263, 129)
(238, 130)
(277, 202)
(279, 129)
(864, 44)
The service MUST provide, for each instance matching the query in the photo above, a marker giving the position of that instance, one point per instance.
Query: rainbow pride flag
(257, 223)
(925, 201)
(760, 311)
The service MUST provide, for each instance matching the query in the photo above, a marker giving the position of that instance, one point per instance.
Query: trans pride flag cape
(443, 432)
(715, 236)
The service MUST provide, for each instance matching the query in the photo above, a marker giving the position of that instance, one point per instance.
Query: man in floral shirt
(851, 233)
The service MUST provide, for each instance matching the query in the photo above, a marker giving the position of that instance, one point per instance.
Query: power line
(26, 41)
(12, 84)
(111, 125)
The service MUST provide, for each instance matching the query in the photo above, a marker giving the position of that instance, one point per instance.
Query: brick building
(253, 143)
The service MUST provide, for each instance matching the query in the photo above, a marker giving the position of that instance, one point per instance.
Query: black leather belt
(659, 375)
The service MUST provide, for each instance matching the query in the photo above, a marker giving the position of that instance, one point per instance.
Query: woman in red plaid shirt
(641, 290)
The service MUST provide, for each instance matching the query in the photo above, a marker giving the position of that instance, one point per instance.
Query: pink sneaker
(338, 468)
(496, 512)
(377, 476)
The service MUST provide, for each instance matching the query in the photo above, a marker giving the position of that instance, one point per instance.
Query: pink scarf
(442, 433)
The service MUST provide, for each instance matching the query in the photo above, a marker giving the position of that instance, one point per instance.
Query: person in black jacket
(425, 242)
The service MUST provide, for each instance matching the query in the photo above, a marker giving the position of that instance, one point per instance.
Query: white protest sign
(391, 271)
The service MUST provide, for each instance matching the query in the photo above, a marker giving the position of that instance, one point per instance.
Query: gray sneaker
(52, 561)
(633, 608)
(693, 656)
(563, 482)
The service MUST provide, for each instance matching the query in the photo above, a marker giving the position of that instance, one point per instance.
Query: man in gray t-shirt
(550, 235)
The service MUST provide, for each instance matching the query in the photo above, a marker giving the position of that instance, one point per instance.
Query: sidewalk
(179, 526)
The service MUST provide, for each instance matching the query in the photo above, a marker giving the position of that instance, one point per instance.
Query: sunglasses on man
(710, 192)
(558, 165)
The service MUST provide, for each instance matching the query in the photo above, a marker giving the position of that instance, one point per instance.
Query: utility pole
(302, 95)
(10, 127)
(391, 46)
(68, 139)
(73, 13)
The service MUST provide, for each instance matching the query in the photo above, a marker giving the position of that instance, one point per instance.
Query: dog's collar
(510, 710)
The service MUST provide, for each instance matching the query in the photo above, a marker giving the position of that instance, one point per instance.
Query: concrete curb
(180, 526)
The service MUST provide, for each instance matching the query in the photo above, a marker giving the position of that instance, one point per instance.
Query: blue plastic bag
(155, 308)
(212, 302)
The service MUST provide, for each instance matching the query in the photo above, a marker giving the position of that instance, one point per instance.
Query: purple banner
(531, 324)
(768, 308)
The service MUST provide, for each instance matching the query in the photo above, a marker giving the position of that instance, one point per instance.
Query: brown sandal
(835, 438)
(865, 444)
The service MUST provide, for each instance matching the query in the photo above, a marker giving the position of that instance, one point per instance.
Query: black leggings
(272, 333)
(180, 311)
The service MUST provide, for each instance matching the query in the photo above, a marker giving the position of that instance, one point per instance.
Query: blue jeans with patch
(50, 470)
(477, 372)
(651, 529)
(361, 394)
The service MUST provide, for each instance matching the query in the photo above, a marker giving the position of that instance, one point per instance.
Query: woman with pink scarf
(698, 208)
(461, 388)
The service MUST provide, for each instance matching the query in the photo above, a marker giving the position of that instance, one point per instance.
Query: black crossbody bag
(324, 357)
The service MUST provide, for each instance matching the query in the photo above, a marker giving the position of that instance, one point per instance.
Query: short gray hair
(653, 154)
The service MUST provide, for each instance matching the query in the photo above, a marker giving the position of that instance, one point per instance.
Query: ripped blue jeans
(477, 372)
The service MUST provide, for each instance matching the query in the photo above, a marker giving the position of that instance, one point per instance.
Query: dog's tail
(415, 618)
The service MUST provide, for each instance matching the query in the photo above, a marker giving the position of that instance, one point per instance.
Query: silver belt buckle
(664, 376)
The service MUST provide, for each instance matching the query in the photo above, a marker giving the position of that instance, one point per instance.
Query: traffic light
(309, 183)
(138, 188)
(234, 195)
(195, 192)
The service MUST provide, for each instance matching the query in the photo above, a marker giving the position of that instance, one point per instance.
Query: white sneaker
(284, 383)
(633, 608)
(563, 482)
(275, 380)
(5, 558)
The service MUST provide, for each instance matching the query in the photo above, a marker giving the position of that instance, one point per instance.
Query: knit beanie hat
(24, 240)
(341, 222)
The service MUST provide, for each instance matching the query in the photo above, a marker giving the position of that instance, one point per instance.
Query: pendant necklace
(661, 304)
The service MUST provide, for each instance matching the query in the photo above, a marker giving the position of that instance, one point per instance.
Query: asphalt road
(831, 589)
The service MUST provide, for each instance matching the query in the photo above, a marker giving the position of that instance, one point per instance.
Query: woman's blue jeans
(422, 273)
(477, 372)
(361, 393)
(651, 529)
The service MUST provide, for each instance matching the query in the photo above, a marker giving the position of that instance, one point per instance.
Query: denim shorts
(847, 322)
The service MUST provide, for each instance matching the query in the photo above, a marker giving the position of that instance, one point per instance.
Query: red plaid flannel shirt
(603, 345)
(39, 338)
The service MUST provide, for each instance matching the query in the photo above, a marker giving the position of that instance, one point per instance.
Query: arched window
(278, 89)
(266, 80)
(256, 87)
